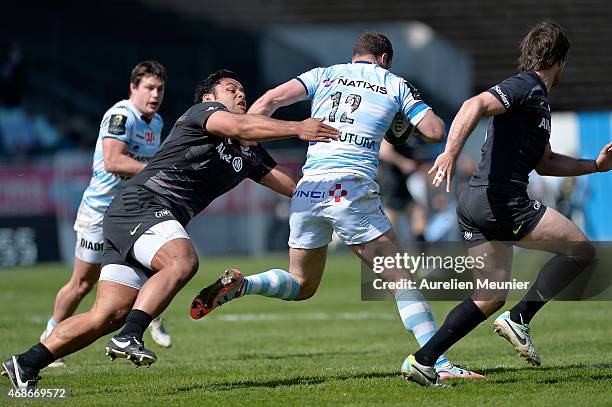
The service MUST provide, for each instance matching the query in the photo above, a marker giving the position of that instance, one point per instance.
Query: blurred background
(63, 64)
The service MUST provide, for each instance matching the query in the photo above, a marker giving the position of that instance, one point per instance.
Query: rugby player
(495, 211)
(148, 256)
(337, 192)
(130, 134)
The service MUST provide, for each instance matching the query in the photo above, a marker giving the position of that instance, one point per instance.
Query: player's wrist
(597, 167)
(296, 128)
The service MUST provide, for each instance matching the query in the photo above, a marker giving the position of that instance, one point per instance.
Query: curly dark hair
(373, 43)
(207, 85)
(542, 47)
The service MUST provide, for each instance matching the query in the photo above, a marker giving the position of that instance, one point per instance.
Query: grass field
(330, 350)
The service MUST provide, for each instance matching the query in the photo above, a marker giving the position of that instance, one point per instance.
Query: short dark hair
(373, 43)
(207, 85)
(145, 68)
(542, 47)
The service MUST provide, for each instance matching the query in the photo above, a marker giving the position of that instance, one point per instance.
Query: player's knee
(307, 289)
(83, 288)
(584, 253)
(492, 307)
(184, 269)
(111, 319)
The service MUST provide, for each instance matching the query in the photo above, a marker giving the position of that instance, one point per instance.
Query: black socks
(459, 322)
(136, 323)
(554, 276)
(37, 357)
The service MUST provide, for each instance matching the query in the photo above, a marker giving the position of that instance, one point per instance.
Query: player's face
(148, 95)
(230, 93)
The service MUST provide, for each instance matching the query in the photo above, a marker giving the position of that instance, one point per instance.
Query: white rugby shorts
(348, 204)
(90, 240)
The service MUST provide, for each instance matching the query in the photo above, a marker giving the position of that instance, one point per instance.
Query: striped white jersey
(123, 122)
(360, 99)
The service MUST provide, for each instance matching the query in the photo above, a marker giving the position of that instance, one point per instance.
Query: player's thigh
(557, 234)
(554, 226)
(309, 229)
(165, 244)
(386, 244)
(308, 265)
(383, 246)
(359, 219)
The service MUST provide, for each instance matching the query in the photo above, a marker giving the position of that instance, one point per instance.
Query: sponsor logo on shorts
(162, 213)
(467, 235)
(536, 205)
(300, 193)
(237, 164)
(318, 195)
(86, 244)
(515, 231)
(133, 231)
(337, 193)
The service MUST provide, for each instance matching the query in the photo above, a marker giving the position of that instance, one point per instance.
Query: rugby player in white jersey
(129, 135)
(337, 192)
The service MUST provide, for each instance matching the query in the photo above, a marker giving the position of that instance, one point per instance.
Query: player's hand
(603, 162)
(444, 168)
(316, 130)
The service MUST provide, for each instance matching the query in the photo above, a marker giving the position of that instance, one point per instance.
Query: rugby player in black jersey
(148, 256)
(495, 209)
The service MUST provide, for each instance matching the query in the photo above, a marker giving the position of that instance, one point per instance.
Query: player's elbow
(270, 101)
(544, 167)
(475, 105)
(434, 132)
(110, 165)
(438, 133)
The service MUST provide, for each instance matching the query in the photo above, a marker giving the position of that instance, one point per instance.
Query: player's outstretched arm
(560, 165)
(279, 180)
(117, 160)
(464, 123)
(261, 128)
(283, 95)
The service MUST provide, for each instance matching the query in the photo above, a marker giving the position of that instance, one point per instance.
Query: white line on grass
(315, 316)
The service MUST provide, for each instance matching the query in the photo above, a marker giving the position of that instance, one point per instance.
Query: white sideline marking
(315, 316)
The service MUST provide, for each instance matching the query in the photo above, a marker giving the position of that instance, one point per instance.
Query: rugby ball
(400, 131)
